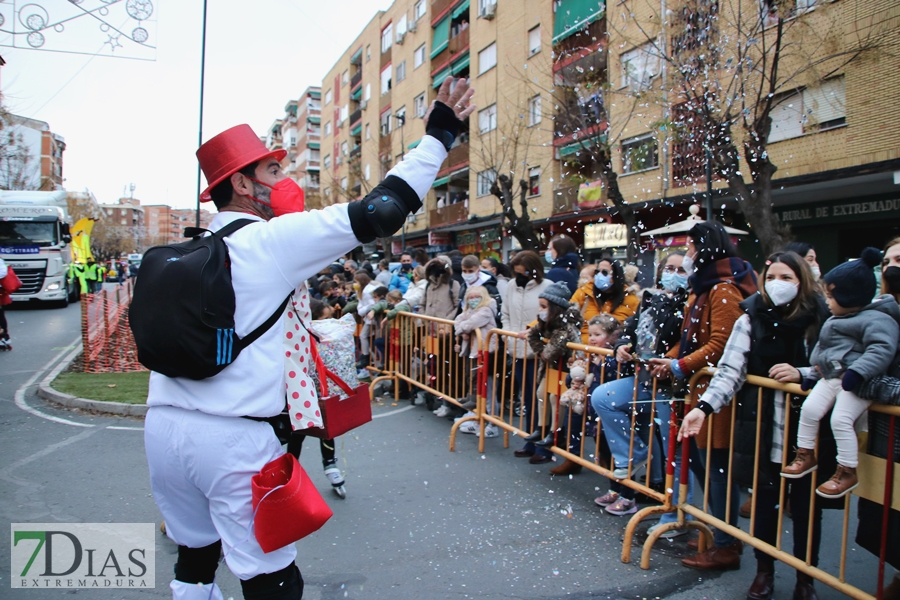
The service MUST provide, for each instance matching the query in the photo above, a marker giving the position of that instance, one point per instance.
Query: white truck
(34, 241)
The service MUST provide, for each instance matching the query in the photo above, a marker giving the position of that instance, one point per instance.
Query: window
(313, 104)
(366, 172)
(639, 154)
(386, 40)
(328, 97)
(401, 28)
(327, 128)
(345, 78)
(314, 130)
(368, 52)
(385, 123)
(344, 148)
(419, 106)
(344, 183)
(401, 71)
(487, 58)
(368, 92)
(386, 79)
(419, 57)
(813, 109)
(534, 111)
(326, 162)
(313, 155)
(420, 9)
(401, 116)
(328, 193)
(486, 179)
(487, 119)
(639, 67)
(345, 112)
(368, 131)
(534, 181)
(534, 41)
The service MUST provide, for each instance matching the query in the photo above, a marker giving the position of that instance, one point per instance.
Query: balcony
(565, 199)
(439, 6)
(356, 79)
(457, 157)
(356, 190)
(355, 116)
(355, 152)
(385, 58)
(460, 42)
(455, 213)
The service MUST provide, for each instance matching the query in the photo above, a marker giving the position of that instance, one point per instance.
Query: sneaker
(469, 427)
(443, 411)
(606, 499)
(363, 374)
(490, 430)
(468, 414)
(622, 506)
(437, 410)
(636, 469)
(667, 535)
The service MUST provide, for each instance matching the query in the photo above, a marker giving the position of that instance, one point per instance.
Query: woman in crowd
(652, 332)
(415, 293)
(605, 294)
(773, 338)
(807, 253)
(367, 285)
(441, 300)
(719, 282)
(518, 312)
(562, 255)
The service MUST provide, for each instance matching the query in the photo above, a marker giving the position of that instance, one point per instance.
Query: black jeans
(766, 526)
(295, 445)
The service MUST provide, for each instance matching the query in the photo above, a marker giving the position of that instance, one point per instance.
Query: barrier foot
(632, 525)
(455, 428)
(382, 378)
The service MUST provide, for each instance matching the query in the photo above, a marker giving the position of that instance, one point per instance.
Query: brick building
(165, 225)
(32, 156)
(299, 133)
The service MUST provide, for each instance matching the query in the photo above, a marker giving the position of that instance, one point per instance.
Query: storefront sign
(605, 235)
(396, 247)
(438, 238)
(810, 213)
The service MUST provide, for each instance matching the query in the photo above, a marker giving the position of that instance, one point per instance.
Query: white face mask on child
(543, 315)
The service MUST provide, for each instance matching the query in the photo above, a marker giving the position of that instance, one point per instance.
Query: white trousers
(848, 407)
(200, 470)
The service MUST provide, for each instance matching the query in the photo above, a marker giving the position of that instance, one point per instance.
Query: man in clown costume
(201, 449)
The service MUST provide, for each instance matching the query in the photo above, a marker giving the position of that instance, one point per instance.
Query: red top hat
(229, 152)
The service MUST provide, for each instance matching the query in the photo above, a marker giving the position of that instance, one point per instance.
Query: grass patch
(130, 388)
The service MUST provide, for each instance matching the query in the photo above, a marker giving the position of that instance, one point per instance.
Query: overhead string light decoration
(119, 28)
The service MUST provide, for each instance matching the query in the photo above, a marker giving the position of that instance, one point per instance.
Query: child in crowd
(587, 274)
(857, 343)
(322, 312)
(559, 323)
(478, 314)
(374, 318)
(396, 304)
(603, 332)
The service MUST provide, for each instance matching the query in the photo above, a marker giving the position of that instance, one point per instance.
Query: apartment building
(32, 155)
(299, 132)
(165, 225)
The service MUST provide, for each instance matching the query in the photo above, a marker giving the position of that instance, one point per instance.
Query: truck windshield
(28, 233)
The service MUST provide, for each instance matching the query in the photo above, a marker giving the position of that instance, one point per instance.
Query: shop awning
(440, 77)
(460, 9)
(441, 181)
(682, 227)
(357, 129)
(572, 15)
(572, 149)
(441, 36)
(413, 145)
(357, 56)
(459, 65)
(356, 94)
(315, 120)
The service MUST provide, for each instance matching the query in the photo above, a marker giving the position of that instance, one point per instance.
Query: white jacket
(366, 301)
(415, 294)
(520, 307)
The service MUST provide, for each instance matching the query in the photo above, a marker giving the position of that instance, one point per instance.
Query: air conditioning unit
(363, 105)
(412, 27)
(488, 11)
(400, 37)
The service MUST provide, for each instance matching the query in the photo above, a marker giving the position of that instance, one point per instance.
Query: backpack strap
(193, 232)
(256, 333)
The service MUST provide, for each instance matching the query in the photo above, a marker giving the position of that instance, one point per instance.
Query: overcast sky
(129, 121)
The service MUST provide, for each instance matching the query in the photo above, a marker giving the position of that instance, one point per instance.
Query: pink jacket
(470, 320)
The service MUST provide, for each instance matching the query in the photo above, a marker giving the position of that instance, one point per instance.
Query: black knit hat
(558, 293)
(854, 281)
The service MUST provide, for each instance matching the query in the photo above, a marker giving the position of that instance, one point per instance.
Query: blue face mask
(474, 302)
(602, 282)
(548, 255)
(673, 281)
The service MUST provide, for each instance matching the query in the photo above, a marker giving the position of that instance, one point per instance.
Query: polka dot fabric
(303, 401)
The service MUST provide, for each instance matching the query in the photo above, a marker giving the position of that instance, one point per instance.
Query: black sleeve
(382, 212)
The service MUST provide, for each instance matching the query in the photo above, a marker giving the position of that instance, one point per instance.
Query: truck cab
(34, 241)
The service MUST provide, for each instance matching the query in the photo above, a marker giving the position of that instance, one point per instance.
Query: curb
(47, 392)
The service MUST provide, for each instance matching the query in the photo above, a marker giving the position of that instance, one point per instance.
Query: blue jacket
(399, 282)
(565, 269)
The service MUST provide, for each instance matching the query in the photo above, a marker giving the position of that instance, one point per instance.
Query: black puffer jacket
(667, 313)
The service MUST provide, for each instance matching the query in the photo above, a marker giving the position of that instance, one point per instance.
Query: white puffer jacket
(520, 307)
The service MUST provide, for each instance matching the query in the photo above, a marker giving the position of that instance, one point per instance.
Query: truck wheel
(62, 303)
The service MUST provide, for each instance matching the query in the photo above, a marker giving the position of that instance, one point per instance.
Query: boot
(569, 467)
(533, 436)
(546, 442)
(763, 586)
(891, 590)
(746, 507)
(843, 480)
(804, 463)
(717, 559)
(363, 362)
(804, 589)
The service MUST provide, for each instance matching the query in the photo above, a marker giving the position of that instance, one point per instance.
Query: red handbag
(340, 414)
(11, 282)
(285, 514)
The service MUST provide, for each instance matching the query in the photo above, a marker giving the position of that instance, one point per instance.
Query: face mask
(817, 272)
(602, 282)
(286, 196)
(688, 265)
(470, 278)
(781, 292)
(548, 255)
(342, 260)
(542, 315)
(522, 280)
(406, 268)
(474, 302)
(673, 281)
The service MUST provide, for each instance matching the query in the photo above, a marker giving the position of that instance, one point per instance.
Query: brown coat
(717, 319)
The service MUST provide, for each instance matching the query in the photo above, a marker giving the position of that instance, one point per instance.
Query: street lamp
(200, 129)
(401, 121)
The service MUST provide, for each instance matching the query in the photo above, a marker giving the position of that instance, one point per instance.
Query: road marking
(20, 393)
(393, 412)
(48, 450)
(121, 428)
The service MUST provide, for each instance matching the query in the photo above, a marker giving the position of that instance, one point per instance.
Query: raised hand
(459, 100)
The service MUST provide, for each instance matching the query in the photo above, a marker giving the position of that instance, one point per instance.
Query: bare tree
(18, 167)
(730, 64)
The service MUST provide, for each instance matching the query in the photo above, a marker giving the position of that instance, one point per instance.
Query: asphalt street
(418, 522)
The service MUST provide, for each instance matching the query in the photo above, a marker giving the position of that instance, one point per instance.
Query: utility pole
(200, 128)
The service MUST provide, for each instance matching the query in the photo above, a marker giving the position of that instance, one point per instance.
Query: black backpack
(182, 312)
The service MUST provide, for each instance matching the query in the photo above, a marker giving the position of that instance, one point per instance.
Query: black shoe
(535, 436)
(363, 362)
(546, 442)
